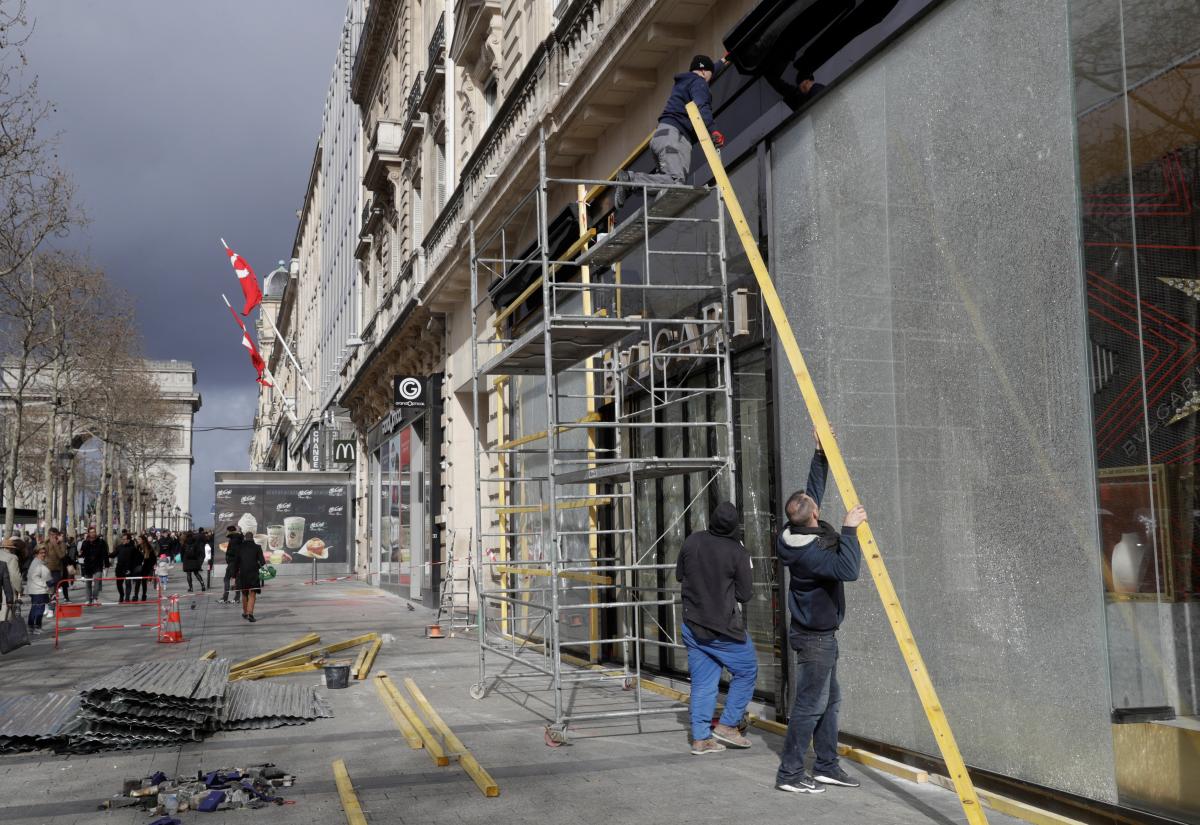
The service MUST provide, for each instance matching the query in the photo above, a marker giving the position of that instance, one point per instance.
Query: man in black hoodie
(820, 559)
(673, 140)
(714, 571)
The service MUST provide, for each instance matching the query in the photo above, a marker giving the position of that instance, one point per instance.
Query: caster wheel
(629, 683)
(478, 691)
(555, 737)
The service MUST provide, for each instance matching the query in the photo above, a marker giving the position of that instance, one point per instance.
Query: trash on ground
(223, 789)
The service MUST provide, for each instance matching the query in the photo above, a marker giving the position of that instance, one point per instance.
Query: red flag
(257, 360)
(246, 277)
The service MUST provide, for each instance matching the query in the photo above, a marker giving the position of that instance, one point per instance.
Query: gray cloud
(184, 123)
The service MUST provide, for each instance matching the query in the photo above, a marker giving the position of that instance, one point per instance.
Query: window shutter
(441, 176)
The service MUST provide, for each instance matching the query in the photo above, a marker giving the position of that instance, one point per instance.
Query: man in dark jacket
(673, 140)
(129, 563)
(193, 559)
(233, 537)
(714, 571)
(820, 560)
(93, 552)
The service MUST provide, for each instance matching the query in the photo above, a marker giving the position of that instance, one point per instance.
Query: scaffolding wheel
(629, 683)
(478, 691)
(556, 736)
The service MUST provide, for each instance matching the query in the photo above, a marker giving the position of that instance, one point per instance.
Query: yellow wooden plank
(354, 811)
(367, 658)
(358, 663)
(538, 436)
(432, 745)
(1011, 807)
(572, 575)
(208, 654)
(406, 728)
(841, 475)
(320, 653)
(570, 254)
(882, 763)
(571, 504)
(630, 158)
(465, 758)
(303, 641)
(270, 672)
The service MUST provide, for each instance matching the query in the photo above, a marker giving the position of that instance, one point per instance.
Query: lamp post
(178, 519)
(66, 461)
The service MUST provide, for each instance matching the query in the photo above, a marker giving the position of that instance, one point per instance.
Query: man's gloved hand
(718, 139)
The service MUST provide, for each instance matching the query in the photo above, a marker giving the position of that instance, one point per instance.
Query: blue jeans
(814, 714)
(705, 662)
(37, 609)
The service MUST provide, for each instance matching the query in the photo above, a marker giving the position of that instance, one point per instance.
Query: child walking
(162, 569)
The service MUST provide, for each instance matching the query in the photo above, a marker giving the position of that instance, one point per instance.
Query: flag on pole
(246, 278)
(257, 360)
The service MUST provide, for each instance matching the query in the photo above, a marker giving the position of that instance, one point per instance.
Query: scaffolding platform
(571, 341)
(576, 405)
(642, 225)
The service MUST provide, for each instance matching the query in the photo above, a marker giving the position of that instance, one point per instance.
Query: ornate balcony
(383, 153)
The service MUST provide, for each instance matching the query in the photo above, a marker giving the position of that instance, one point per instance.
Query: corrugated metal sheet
(263, 704)
(189, 682)
(30, 722)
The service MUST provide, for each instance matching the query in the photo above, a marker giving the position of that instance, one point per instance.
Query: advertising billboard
(297, 517)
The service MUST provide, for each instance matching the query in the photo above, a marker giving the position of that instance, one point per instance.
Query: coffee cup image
(275, 536)
(293, 532)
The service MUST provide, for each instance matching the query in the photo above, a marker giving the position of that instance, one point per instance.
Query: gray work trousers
(673, 151)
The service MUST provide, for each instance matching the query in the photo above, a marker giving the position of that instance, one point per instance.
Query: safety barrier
(74, 610)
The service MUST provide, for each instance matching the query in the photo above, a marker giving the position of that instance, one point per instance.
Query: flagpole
(281, 340)
(270, 377)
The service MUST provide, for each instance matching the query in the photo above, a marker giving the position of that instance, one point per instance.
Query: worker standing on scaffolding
(820, 560)
(714, 571)
(673, 140)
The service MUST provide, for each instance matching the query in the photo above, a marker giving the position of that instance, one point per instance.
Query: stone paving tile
(611, 774)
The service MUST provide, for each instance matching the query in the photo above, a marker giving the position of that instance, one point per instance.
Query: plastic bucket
(337, 676)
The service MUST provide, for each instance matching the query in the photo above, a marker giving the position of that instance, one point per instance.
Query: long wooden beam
(432, 745)
(465, 758)
(406, 728)
(303, 641)
(354, 811)
(841, 475)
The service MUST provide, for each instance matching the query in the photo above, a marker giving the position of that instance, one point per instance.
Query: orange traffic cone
(172, 629)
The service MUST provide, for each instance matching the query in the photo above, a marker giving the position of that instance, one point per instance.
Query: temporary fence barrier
(74, 610)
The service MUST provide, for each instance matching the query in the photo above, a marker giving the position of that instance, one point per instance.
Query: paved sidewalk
(610, 775)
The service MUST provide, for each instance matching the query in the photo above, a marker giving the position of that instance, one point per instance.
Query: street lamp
(66, 461)
(178, 520)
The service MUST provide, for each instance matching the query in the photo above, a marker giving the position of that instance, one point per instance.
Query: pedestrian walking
(162, 569)
(715, 575)
(70, 566)
(246, 557)
(233, 537)
(56, 552)
(207, 537)
(12, 574)
(129, 563)
(674, 138)
(39, 584)
(146, 564)
(820, 559)
(193, 559)
(93, 552)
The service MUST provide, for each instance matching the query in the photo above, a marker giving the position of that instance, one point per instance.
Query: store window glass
(1138, 116)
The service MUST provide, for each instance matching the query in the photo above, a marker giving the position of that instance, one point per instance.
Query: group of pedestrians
(40, 571)
(714, 570)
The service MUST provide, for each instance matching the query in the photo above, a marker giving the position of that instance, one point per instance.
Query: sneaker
(837, 776)
(802, 784)
(730, 737)
(244, 616)
(703, 746)
(621, 192)
(250, 618)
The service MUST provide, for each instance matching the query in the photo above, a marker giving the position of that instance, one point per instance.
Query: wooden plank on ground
(303, 641)
(208, 654)
(367, 659)
(354, 811)
(465, 758)
(882, 763)
(432, 745)
(406, 728)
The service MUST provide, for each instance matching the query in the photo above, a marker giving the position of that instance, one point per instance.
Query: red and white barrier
(70, 610)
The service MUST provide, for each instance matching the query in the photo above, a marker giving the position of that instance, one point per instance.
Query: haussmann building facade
(981, 218)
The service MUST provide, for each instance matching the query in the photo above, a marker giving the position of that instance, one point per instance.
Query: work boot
(703, 746)
(621, 192)
(730, 737)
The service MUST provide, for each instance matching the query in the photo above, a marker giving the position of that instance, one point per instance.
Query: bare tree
(36, 196)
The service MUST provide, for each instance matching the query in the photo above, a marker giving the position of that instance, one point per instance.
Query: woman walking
(39, 585)
(193, 559)
(146, 560)
(245, 559)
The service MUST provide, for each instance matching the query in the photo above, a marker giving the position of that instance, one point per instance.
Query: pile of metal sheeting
(251, 705)
(149, 705)
(32, 722)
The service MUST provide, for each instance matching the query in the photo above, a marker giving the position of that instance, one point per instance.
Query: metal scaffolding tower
(576, 383)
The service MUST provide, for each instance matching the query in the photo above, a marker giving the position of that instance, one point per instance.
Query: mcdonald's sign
(345, 452)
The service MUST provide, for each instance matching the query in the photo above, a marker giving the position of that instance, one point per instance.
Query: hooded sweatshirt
(688, 87)
(714, 571)
(820, 560)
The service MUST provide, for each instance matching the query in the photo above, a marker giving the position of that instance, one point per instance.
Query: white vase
(1127, 558)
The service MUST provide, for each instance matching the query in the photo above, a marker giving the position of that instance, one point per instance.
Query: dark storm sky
(182, 123)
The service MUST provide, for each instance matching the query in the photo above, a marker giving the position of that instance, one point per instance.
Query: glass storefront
(1138, 118)
(398, 525)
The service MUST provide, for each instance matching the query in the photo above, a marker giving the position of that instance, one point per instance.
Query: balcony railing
(413, 104)
(437, 43)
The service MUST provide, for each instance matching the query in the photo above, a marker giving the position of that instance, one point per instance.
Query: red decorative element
(246, 278)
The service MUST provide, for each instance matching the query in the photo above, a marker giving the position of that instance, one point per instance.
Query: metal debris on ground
(218, 790)
(158, 704)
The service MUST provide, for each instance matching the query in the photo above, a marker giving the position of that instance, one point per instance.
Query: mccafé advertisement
(294, 521)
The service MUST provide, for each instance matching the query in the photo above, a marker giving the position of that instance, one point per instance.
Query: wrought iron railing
(437, 44)
(413, 104)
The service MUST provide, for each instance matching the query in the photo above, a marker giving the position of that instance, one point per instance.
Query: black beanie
(702, 61)
(724, 520)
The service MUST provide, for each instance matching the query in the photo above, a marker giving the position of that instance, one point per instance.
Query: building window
(491, 93)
